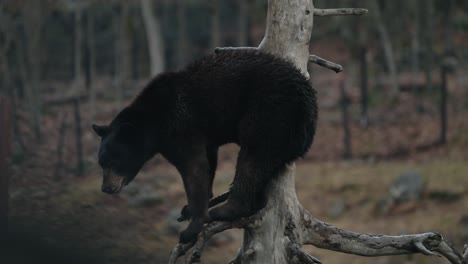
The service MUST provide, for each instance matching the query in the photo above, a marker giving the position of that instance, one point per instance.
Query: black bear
(259, 101)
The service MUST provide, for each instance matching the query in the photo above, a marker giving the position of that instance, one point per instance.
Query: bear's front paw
(191, 232)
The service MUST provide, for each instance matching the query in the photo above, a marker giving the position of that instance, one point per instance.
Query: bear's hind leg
(247, 193)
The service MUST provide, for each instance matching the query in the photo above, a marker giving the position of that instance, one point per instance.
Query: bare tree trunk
(30, 93)
(448, 17)
(78, 47)
(30, 61)
(415, 45)
(215, 23)
(182, 43)
(91, 64)
(345, 116)
(269, 240)
(386, 42)
(78, 136)
(123, 52)
(443, 104)
(243, 23)
(364, 85)
(428, 50)
(154, 37)
(61, 137)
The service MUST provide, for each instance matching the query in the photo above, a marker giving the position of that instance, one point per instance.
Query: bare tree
(415, 34)
(30, 58)
(428, 42)
(123, 50)
(182, 40)
(277, 233)
(386, 42)
(154, 37)
(364, 119)
(78, 72)
(215, 23)
(91, 63)
(243, 23)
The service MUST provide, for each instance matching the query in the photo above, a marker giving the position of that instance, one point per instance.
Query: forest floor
(64, 218)
(70, 216)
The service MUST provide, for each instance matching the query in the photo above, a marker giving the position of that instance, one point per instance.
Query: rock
(139, 195)
(174, 226)
(409, 186)
(337, 209)
(464, 219)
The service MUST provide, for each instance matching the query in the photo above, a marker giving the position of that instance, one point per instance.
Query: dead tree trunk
(78, 142)
(154, 36)
(387, 46)
(242, 22)
(91, 63)
(345, 115)
(277, 233)
(122, 51)
(215, 23)
(78, 72)
(364, 85)
(182, 43)
(60, 143)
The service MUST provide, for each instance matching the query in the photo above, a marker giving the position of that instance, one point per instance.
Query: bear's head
(122, 152)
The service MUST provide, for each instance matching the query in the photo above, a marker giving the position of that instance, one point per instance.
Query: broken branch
(294, 250)
(340, 12)
(324, 63)
(326, 236)
(207, 232)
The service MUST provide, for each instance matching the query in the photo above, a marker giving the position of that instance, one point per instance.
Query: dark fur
(261, 102)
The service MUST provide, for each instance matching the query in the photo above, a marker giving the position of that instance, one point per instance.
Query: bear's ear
(101, 130)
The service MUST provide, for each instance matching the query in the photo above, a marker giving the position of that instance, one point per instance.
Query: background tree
(153, 35)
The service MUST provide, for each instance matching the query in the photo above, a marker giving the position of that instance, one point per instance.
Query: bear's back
(221, 88)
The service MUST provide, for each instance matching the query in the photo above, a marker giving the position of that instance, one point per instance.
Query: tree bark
(215, 23)
(78, 72)
(182, 43)
(443, 105)
(78, 138)
(345, 116)
(364, 85)
(29, 60)
(415, 45)
(91, 67)
(123, 51)
(154, 37)
(386, 42)
(242, 22)
(428, 50)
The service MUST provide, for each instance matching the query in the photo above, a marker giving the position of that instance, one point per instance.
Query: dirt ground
(70, 221)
